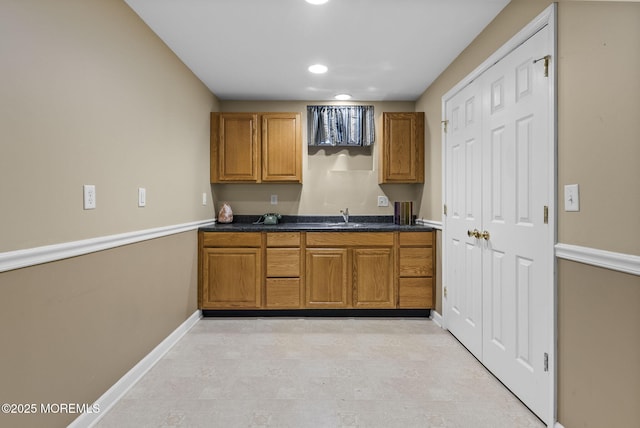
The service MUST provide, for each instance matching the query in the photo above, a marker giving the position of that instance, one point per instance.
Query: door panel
(463, 306)
(373, 278)
(326, 279)
(515, 266)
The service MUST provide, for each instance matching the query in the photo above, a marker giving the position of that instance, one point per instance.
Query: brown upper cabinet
(402, 151)
(256, 147)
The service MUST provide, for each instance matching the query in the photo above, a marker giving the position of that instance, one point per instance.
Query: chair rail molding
(621, 262)
(11, 260)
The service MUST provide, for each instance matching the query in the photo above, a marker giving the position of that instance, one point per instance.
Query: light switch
(571, 197)
(142, 196)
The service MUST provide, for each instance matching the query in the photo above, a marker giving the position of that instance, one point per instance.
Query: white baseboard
(436, 318)
(49, 253)
(113, 394)
(621, 262)
(558, 425)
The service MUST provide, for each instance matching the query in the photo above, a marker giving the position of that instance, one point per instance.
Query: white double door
(498, 257)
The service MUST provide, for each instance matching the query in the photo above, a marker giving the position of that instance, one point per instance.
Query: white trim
(539, 22)
(436, 318)
(621, 262)
(113, 394)
(430, 223)
(558, 425)
(49, 253)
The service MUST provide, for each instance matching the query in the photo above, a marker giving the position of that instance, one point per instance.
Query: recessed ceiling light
(317, 1)
(342, 97)
(318, 68)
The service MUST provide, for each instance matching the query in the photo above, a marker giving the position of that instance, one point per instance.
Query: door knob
(485, 235)
(475, 233)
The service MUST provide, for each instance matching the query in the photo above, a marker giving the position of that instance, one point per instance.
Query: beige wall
(333, 179)
(90, 95)
(598, 134)
(599, 347)
(599, 130)
(73, 328)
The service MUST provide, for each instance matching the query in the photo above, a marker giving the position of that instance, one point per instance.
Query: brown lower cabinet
(230, 271)
(314, 270)
(415, 282)
(283, 287)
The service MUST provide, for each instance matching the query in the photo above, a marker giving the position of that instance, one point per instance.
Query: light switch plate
(571, 197)
(142, 196)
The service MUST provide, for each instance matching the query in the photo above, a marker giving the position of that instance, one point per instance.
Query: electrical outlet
(204, 198)
(89, 196)
(274, 199)
(383, 201)
(571, 197)
(142, 196)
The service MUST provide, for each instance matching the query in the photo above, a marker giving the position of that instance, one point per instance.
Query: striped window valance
(340, 125)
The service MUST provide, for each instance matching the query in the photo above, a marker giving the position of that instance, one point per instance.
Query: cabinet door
(373, 278)
(231, 278)
(237, 147)
(281, 147)
(402, 157)
(327, 282)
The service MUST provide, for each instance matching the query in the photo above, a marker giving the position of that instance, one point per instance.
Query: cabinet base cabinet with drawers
(283, 288)
(315, 270)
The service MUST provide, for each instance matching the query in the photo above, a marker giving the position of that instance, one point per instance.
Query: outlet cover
(383, 201)
(89, 198)
(274, 199)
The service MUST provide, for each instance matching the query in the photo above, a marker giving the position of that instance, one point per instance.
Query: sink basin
(340, 225)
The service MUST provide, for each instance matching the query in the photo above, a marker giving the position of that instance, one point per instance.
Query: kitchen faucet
(345, 215)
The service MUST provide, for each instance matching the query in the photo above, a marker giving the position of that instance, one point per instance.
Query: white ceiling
(376, 50)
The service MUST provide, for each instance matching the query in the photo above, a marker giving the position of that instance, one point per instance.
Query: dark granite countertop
(246, 223)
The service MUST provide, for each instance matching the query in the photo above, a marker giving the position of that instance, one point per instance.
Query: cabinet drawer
(283, 293)
(422, 239)
(283, 239)
(415, 293)
(283, 262)
(416, 262)
(231, 239)
(349, 239)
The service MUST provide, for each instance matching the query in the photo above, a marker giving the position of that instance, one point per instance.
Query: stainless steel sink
(340, 225)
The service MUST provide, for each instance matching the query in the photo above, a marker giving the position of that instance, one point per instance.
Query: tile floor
(318, 372)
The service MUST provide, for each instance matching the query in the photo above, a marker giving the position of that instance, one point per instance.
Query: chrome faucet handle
(345, 215)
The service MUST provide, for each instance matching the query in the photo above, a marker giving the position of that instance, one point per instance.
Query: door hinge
(444, 124)
(445, 292)
(546, 59)
(444, 209)
(546, 214)
(546, 362)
